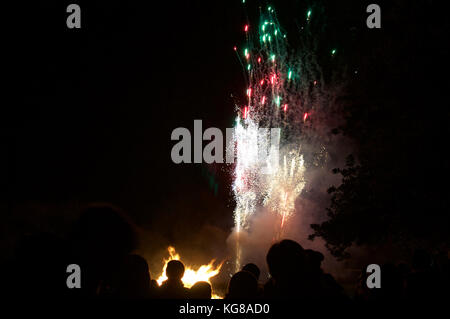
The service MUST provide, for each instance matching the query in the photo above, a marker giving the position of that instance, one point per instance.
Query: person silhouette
(243, 285)
(102, 240)
(200, 290)
(253, 269)
(173, 287)
(423, 282)
(287, 265)
(133, 279)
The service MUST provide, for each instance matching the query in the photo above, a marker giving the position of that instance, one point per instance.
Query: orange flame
(191, 276)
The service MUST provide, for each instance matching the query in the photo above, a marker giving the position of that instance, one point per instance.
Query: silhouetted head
(315, 259)
(137, 268)
(104, 230)
(175, 270)
(134, 281)
(243, 285)
(286, 259)
(201, 290)
(253, 269)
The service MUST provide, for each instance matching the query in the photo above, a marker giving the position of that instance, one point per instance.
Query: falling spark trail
(278, 87)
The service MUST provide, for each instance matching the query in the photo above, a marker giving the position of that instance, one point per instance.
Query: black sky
(92, 109)
(87, 114)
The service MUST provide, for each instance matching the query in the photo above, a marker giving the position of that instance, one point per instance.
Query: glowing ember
(305, 117)
(191, 276)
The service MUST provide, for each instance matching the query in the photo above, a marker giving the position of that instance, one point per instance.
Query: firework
(277, 95)
(285, 185)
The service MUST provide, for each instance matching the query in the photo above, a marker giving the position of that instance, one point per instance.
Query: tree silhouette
(394, 187)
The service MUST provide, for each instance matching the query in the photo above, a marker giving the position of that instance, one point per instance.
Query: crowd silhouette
(103, 241)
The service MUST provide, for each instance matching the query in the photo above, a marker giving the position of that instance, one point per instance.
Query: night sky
(88, 114)
(93, 109)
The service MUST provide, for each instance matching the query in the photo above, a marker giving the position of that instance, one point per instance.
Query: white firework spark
(285, 185)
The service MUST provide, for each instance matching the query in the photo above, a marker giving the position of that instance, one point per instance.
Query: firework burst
(285, 185)
(283, 90)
